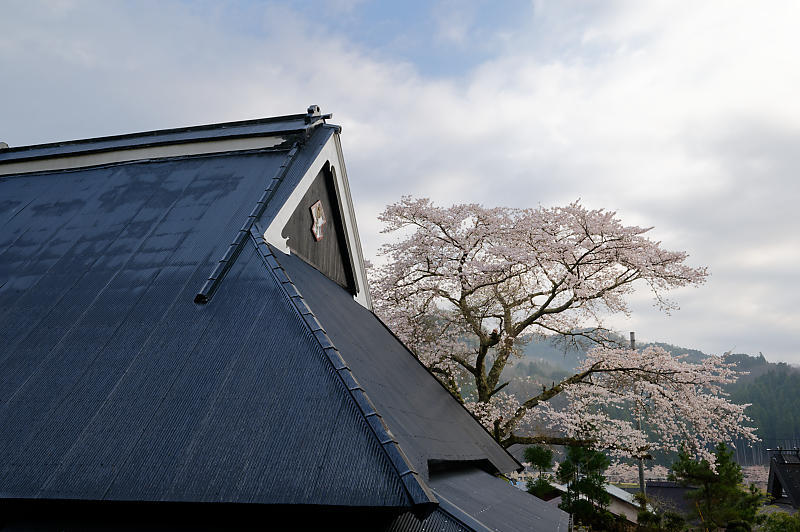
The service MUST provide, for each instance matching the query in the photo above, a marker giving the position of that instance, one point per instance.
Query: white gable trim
(330, 153)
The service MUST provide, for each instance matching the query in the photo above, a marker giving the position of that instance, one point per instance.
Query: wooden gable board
(328, 251)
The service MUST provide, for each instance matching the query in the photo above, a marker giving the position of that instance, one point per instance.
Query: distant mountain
(553, 352)
(692, 355)
(556, 352)
(566, 356)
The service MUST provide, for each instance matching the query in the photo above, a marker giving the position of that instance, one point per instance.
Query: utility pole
(642, 486)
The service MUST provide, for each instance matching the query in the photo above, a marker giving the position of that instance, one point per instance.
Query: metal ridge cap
(109, 164)
(422, 497)
(89, 147)
(167, 131)
(224, 264)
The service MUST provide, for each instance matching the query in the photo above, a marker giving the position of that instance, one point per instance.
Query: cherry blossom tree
(465, 287)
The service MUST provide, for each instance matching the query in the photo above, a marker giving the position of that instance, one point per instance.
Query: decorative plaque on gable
(318, 219)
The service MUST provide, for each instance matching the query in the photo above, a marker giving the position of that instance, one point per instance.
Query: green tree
(586, 498)
(673, 522)
(542, 459)
(720, 498)
(781, 522)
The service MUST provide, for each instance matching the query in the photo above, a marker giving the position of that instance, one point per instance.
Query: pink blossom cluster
(502, 405)
(678, 404)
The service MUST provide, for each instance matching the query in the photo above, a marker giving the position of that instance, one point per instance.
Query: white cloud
(678, 115)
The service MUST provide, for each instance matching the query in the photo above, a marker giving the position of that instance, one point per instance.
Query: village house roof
(186, 320)
(784, 475)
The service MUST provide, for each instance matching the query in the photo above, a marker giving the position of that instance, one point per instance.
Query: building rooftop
(179, 327)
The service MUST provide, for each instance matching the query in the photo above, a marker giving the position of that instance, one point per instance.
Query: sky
(681, 116)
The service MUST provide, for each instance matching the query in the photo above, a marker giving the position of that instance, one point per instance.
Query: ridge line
(420, 494)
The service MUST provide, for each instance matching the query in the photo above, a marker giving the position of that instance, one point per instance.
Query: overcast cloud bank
(681, 116)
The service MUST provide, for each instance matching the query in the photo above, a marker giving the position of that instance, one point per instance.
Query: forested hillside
(775, 398)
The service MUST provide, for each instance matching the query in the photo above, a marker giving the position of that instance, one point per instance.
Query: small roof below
(495, 503)
(666, 495)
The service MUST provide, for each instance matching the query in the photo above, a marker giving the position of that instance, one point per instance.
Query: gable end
(316, 231)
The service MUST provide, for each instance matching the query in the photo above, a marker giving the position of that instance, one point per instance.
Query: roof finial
(313, 114)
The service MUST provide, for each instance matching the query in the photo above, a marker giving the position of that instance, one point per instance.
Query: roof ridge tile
(420, 494)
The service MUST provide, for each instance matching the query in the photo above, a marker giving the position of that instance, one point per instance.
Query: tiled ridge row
(419, 493)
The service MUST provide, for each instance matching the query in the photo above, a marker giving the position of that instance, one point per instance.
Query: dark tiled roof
(416, 488)
(667, 496)
(115, 385)
(426, 420)
(518, 451)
